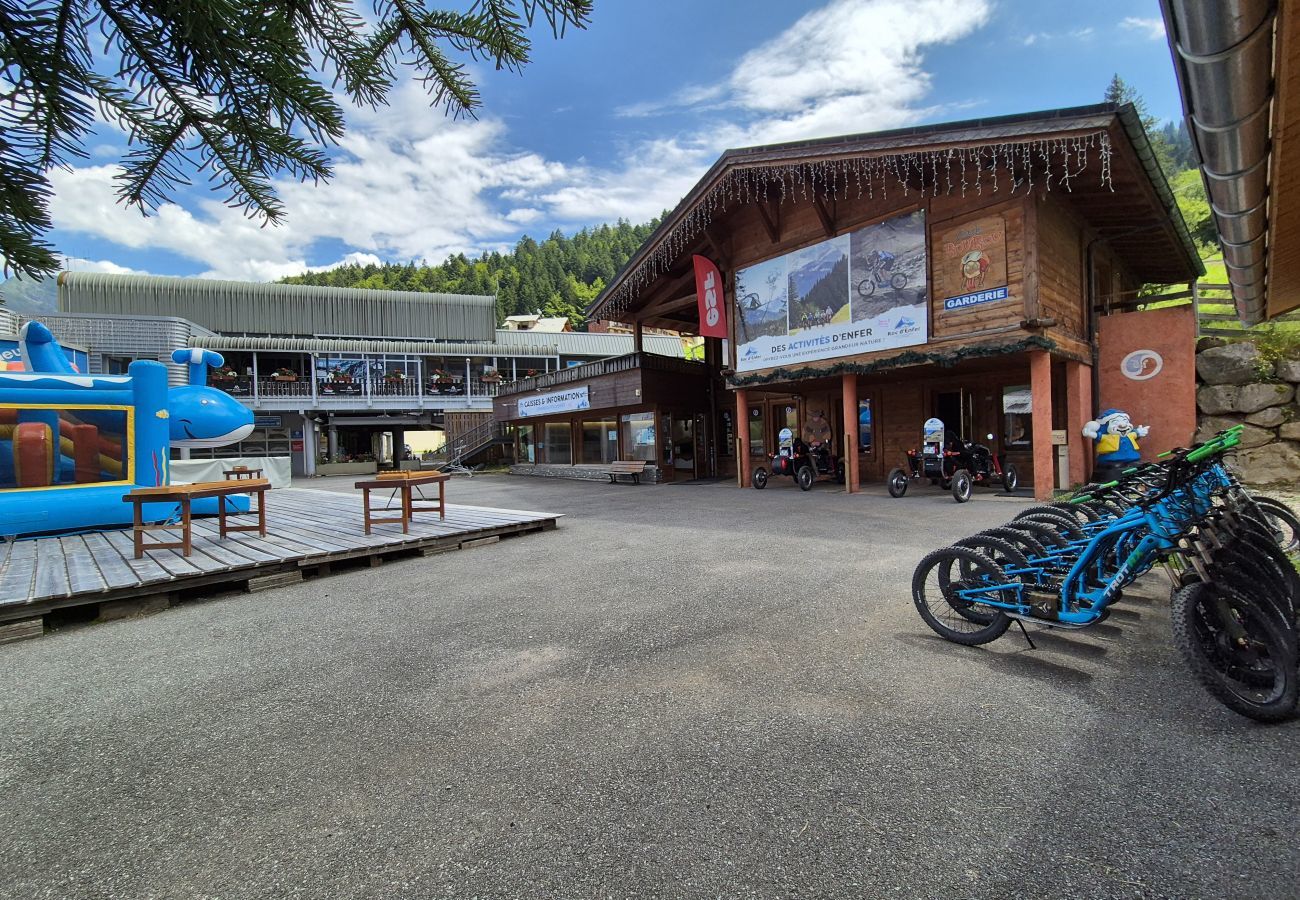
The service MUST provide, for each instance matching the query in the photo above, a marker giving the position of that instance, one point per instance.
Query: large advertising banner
(854, 293)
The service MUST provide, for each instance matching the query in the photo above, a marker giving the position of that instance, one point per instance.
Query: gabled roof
(681, 230)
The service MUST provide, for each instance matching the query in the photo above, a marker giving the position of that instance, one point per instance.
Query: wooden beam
(827, 220)
(723, 259)
(667, 306)
(773, 227)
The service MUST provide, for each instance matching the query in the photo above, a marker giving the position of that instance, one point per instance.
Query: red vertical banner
(709, 296)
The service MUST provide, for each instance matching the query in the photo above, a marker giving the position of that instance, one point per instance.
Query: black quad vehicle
(957, 466)
(805, 463)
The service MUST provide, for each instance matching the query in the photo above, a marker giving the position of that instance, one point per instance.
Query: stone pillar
(743, 465)
(334, 442)
(849, 392)
(1040, 385)
(1078, 410)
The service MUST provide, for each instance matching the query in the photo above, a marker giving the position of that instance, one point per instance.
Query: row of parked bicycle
(1229, 554)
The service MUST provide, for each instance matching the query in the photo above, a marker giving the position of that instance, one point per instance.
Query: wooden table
(241, 472)
(407, 483)
(185, 494)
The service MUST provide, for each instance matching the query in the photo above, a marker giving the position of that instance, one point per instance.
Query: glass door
(685, 455)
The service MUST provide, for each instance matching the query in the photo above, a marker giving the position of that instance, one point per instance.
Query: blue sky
(621, 119)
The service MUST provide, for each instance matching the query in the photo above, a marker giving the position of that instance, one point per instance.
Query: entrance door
(686, 458)
(954, 409)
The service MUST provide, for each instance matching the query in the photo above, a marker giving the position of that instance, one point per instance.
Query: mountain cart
(957, 466)
(805, 463)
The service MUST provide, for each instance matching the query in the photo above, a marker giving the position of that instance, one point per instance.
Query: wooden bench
(629, 467)
(185, 494)
(408, 483)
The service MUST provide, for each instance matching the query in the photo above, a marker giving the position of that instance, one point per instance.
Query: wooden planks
(306, 529)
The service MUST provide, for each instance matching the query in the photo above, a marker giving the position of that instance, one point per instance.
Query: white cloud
(77, 264)
(410, 183)
(1152, 29)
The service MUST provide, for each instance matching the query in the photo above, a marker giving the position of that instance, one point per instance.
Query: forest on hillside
(560, 276)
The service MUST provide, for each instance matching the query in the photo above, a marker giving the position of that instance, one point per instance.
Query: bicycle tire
(1026, 542)
(1283, 521)
(1067, 525)
(1080, 512)
(1262, 662)
(973, 562)
(1048, 537)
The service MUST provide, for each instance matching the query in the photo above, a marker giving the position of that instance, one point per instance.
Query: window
(639, 436)
(599, 441)
(757, 446)
(864, 426)
(1017, 406)
(556, 446)
(44, 447)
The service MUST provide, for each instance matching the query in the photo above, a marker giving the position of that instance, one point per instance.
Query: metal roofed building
(335, 376)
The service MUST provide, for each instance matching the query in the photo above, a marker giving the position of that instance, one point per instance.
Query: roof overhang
(1148, 233)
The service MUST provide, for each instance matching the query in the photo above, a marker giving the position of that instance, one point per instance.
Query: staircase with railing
(466, 445)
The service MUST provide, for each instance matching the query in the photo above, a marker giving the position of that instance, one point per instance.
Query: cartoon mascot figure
(974, 268)
(1114, 441)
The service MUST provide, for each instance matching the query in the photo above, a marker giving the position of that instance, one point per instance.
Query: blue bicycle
(1064, 566)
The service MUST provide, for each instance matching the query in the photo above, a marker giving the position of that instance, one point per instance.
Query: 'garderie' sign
(559, 401)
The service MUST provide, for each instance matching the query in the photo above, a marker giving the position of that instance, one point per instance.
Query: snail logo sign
(559, 401)
(971, 268)
(1142, 364)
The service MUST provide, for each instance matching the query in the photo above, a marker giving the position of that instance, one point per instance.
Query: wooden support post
(1078, 410)
(1040, 386)
(637, 339)
(849, 390)
(743, 466)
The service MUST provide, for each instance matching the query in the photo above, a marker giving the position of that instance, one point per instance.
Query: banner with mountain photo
(854, 293)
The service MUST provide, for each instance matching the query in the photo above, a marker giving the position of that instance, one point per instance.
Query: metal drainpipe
(1223, 57)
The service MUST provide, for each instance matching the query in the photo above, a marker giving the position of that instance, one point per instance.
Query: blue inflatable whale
(198, 415)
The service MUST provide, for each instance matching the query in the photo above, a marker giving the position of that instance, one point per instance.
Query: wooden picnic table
(408, 484)
(185, 494)
(241, 472)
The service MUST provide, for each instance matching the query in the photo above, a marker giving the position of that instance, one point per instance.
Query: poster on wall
(970, 265)
(851, 294)
(558, 401)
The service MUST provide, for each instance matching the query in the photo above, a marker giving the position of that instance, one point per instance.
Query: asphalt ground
(684, 691)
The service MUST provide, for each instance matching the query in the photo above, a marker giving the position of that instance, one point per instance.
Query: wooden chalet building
(873, 281)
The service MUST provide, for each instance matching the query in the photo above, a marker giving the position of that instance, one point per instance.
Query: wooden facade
(1062, 236)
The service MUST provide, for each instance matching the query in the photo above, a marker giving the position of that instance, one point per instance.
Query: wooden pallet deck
(307, 531)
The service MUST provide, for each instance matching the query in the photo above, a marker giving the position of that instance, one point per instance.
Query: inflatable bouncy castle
(72, 445)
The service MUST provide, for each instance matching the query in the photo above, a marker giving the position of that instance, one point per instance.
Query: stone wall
(1235, 386)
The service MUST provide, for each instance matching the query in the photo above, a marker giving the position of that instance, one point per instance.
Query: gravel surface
(684, 691)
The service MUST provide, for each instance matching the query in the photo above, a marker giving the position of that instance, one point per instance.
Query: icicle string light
(930, 172)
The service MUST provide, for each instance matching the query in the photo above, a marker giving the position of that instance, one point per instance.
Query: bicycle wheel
(898, 281)
(1023, 541)
(1282, 521)
(1236, 650)
(897, 483)
(1068, 526)
(866, 287)
(1048, 537)
(935, 585)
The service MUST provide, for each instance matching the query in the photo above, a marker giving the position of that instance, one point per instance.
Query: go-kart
(805, 463)
(958, 466)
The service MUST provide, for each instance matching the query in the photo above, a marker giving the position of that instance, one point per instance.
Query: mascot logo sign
(1115, 437)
